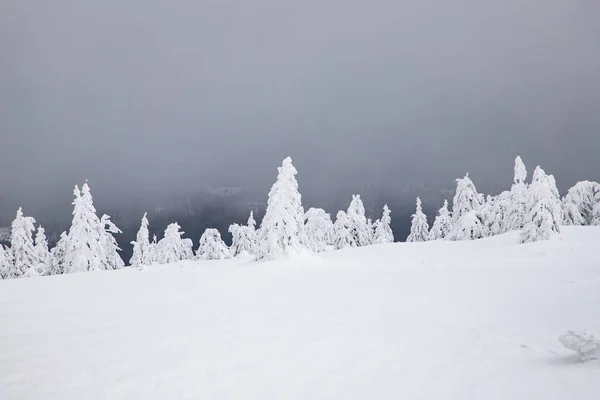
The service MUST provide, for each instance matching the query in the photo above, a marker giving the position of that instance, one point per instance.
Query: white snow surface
(432, 320)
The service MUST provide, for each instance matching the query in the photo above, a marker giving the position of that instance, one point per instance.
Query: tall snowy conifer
(466, 198)
(57, 260)
(83, 249)
(141, 246)
(419, 228)
(109, 243)
(441, 225)
(24, 256)
(282, 229)
(383, 230)
(319, 230)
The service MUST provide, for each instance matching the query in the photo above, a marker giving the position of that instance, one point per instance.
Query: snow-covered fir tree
(44, 259)
(442, 224)
(141, 246)
(544, 209)
(84, 249)
(578, 204)
(212, 247)
(153, 252)
(487, 215)
(282, 229)
(466, 199)
(319, 230)
(24, 255)
(383, 230)
(57, 255)
(419, 228)
(342, 236)
(243, 242)
(5, 262)
(500, 208)
(172, 247)
(109, 243)
(360, 229)
(468, 227)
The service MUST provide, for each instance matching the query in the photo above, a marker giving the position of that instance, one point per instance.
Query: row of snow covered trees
(534, 209)
(89, 244)
(285, 229)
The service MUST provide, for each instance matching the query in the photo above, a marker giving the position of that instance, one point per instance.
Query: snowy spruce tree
(5, 262)
(57, 255)
(212, 247)
(487, 215)
(578, 204)
(517, 209)
(360, 229)
(244, 238)
(44, 259)
(383, 230)
(441, 225)
(141, 246)
(24, 255)
(419, 228)
(111, 249)
(596, 211)
(468, 227)
(85, 247)
(282, 229)
(499, 210)
(172, 247)
(544, 214)
(342, 236)
(319, 230)
(466, 199)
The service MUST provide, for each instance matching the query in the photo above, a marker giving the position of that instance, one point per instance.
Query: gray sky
(148, 96)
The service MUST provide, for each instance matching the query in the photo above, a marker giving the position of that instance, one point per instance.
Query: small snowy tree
(342, 236)
(212, 247)
(5, 262)
(544, 209)
(468, 227)
(172, 248)
(319, 230)
(578, 204)
(419, 228)
(243, 238)
(383, 230)
(83, 249)
(487, 216)
(360, 229)
(109, 244)
(516, 213)
(282, 229)
(24, 255)
(141, 246)
(44, 259)
(442, 224)
(57, 255)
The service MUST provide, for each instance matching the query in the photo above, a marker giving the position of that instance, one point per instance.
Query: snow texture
(436, 320)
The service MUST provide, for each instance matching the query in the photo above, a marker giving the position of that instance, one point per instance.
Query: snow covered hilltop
(453, 320)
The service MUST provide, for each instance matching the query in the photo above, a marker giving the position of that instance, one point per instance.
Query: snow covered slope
(441, 320)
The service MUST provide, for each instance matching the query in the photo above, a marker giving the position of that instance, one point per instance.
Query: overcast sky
(147, 95)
